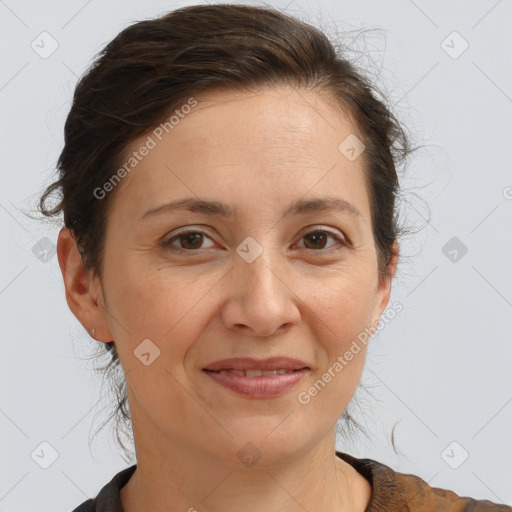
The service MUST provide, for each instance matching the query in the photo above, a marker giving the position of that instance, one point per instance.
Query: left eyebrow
(322, 204)
(217, 208)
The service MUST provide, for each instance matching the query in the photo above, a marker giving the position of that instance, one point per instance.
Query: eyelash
(168, 243)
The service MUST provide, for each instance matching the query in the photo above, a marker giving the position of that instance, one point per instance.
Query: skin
(300, 298)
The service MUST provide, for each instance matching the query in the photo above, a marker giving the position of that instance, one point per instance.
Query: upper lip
(248, 363)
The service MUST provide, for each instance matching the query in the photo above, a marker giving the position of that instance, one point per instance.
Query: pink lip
(258, 387)
(248, 363)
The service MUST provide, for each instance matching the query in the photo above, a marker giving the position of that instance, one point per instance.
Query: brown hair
(153, 66)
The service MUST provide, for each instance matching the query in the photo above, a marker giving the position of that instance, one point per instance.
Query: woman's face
(262, 282)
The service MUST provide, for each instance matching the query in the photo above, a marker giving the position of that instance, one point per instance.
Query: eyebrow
(219, 209)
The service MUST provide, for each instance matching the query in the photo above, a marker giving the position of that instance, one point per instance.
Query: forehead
(279, 124)
(271, 146)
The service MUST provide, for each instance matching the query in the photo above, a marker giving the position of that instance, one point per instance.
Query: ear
(83, 291)
(383, 291)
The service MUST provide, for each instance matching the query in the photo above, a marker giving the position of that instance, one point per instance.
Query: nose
(261, 302)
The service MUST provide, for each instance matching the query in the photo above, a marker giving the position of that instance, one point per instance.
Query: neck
(315, 480)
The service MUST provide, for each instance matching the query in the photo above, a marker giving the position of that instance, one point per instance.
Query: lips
(258, 379)
(249, 366)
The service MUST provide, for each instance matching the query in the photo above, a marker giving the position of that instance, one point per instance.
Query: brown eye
(188, 241)
(316, 240)
(191, 240)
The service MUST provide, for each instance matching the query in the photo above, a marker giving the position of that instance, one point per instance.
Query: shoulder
(392, 491)
(108, 499)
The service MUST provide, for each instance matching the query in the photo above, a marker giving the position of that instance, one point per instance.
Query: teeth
(257, 373)
(236, 372)
(253, 373)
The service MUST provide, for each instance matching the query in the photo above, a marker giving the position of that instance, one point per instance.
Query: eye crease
(194, 237)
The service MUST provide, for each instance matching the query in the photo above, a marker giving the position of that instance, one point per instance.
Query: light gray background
(441, 368)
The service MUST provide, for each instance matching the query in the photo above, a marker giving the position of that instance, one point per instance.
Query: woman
(228, 189)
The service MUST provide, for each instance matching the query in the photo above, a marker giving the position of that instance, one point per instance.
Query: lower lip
(258, 387)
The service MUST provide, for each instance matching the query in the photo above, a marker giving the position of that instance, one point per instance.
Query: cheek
(164, 305)
(339, 314)
(341, 302)
(171, 312)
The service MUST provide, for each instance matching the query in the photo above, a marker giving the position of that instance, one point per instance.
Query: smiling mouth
(258, 379)
(257, 373)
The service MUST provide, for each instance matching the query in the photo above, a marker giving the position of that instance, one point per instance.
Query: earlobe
(79, 287)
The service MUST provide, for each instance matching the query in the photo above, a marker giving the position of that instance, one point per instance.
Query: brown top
(391, 492)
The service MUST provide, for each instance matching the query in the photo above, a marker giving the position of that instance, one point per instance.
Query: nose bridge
(263, 301)
(259, 268)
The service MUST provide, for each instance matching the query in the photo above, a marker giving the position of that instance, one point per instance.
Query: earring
(93, 330)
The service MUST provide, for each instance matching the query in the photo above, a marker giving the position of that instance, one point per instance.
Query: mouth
(257, 372)
(257, 383)
(250, 367)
